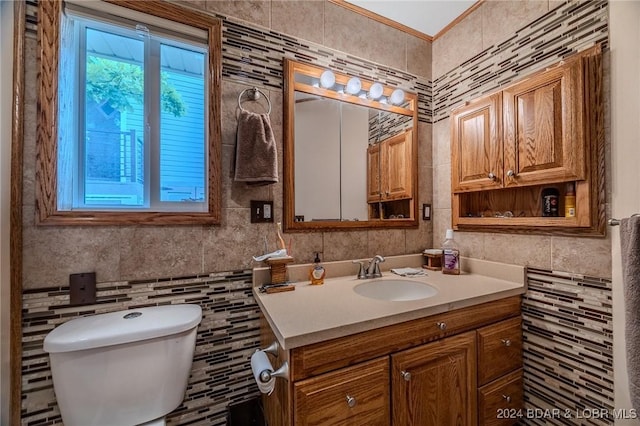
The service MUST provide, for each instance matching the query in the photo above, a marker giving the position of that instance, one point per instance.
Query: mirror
(350, 161)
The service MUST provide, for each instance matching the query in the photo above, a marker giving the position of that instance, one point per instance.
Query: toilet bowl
(123, 368)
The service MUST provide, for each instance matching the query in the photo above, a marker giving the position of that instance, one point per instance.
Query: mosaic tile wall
(567, 29)
(227, 336)
(567, 326)
(568, 349)
(229, 332)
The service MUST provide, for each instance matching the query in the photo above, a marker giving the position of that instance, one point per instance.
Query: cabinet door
(476, 145)
(543, 127)
(373, 173)
(357, 395)
(397, 167)
(435, 384)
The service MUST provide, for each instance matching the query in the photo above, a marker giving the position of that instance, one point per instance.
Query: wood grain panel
(441, 386)
(373, 173)
(47, 212)
(499, 349)
(326, 356)
(543, 126)
(15, 215)
(498, 397)
(323, 400)
(397, 167)
(476, 145)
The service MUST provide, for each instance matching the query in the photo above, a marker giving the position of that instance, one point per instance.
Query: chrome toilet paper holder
(282, 372)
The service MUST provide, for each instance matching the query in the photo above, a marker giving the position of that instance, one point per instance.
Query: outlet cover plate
(82, 289)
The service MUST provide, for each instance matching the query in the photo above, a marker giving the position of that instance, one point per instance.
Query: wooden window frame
(47, 213)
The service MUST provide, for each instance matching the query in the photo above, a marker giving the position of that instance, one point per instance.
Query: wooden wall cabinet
(390, 177)
(546, 130)
(446, 369)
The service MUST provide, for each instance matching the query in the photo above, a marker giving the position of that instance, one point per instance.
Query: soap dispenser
(317, 272)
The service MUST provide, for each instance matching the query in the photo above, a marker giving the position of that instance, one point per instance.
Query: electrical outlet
(261, 211)
(82, 289)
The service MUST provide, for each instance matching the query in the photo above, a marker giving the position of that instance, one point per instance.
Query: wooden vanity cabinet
(544, 131)
(446, 369)
(357, 395)
(435, 384)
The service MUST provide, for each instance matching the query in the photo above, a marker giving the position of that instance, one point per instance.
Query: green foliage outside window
(121, 85)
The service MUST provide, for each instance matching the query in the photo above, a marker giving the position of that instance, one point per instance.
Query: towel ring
(254, 95)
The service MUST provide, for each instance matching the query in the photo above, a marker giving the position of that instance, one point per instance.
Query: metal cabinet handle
(406, 375)
(511, 173)
(351, 401)
(506, 342)
(491, 176)
(441, 325)
(507, 398)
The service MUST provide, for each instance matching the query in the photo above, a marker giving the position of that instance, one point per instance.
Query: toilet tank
(125, 367)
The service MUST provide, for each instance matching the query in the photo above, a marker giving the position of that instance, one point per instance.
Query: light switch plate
(261, 211)
(426, 212)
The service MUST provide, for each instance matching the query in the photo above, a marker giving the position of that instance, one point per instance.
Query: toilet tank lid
(115, 328)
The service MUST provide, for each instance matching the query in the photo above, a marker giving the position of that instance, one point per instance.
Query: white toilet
(123, 368)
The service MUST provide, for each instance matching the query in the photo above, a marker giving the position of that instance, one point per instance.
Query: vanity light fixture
(375, 91)
(354, 85)
(397, 97)
(327, 79)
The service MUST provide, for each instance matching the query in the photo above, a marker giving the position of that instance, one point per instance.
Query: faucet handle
(362, 274)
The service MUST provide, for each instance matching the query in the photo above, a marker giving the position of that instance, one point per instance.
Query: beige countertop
(312, 314)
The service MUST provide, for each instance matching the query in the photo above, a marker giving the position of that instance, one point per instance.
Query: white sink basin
(395, 290)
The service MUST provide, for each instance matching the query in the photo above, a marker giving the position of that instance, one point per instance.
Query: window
(136, 116)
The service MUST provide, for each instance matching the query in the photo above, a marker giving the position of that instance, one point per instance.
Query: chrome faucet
(371, 271)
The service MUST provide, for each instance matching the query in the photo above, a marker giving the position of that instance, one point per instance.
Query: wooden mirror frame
(47, 213)
(409, 108)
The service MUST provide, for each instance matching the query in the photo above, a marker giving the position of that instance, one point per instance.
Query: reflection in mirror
(327, 131)
(350, 161)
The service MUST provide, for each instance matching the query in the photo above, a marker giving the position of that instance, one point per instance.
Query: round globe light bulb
(354, 85)
(397, 97)
(375, 91)
(327, 79)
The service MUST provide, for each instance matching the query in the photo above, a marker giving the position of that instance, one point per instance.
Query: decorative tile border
(568, 349)
(227, 336)
(254, 56)
(567, 29)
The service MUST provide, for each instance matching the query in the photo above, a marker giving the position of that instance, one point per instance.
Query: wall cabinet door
(476, 146)
(373, 170)
(435, 384)
(396, 167)
(543, 127)
(390, 169)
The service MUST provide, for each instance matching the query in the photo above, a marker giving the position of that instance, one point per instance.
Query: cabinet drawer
(501, 402)
(499, 349)
(357, 395)
(329, 355)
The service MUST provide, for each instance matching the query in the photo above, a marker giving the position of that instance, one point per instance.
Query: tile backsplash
(227, 336)
(566, 318)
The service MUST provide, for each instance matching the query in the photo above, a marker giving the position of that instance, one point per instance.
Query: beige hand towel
(630, 248)
(256, 154)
